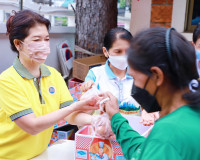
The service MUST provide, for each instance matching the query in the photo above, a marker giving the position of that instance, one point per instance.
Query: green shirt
(175, 136)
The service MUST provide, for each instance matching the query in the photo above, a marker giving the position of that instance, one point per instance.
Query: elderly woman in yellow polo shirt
(33, 96)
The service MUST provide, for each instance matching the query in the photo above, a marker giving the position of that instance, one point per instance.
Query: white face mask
(120, 62)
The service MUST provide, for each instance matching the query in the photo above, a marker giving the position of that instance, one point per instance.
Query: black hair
(19, 24)
(116, 33)
(196, 33)
(149, 48)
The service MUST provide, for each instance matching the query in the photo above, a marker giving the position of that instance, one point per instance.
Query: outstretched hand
(111, 106)
(149, 118)
(88, 104)
(87, 85)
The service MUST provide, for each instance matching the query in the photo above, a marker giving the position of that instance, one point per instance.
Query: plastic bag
(101, 123)
(91, 92)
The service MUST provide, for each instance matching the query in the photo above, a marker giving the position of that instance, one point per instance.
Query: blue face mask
(197, 60)
(198, 54)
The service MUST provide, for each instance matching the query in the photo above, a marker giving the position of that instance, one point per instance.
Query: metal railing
(42, 9)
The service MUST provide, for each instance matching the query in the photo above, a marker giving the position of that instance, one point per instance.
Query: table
(61, 150)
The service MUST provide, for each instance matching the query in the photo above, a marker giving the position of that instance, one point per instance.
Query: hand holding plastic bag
(101, 123)
(102, 127)
(87, 86)
(90, 93)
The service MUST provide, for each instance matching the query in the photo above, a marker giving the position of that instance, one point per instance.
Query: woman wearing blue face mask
(163, 65)
(196, 44)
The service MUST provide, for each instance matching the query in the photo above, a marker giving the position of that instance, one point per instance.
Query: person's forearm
(50, 119)
(79, 118)
(128, 139)
(34, 125)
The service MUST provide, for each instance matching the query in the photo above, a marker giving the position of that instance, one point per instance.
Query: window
(59, 12)
(193, 15)
(124, 13)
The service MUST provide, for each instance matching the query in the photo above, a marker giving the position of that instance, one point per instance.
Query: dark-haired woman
(196, 44)
(113, 77)
(33, 96)
(162, 63)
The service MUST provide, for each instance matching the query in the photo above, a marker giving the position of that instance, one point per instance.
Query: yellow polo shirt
(22, 94)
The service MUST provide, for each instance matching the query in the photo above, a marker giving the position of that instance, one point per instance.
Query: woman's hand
(149, 118)
(88, 104)
(111, 106)
(87, 85)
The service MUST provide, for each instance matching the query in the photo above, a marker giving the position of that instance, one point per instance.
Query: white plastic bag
(101, 125)
(91, 92)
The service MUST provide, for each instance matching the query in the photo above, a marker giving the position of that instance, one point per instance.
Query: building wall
(161, 13)
(166, 13)
(140, 15)
(150, 13)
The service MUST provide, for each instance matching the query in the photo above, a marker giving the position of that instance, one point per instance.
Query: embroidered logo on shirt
(52, 90)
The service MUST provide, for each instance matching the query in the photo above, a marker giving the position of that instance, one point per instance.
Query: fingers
(148, 123)
(156, 115)
(102, 108)
(104, 99)
(104, 94)
(109, 95)
(88, 104)
(112, 137)
(89, 85)
(147, 118)
(111, 106)
(92, 108)
(91, 100)
(86, 86)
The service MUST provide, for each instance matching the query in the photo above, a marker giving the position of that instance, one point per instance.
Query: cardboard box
(73, 82)
(82, 66)
(64, 132)
(67, 132)
(60, 124)
(58, 132)
(55, 135)
(89, 145)
(54, 138)
(75, 92)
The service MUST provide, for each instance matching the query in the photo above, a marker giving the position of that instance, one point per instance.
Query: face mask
(146, 100)
(197, 60)
(38, 51)
(198, 54)
(119, 62)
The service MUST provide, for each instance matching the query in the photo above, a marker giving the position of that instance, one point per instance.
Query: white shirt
(106, 80)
